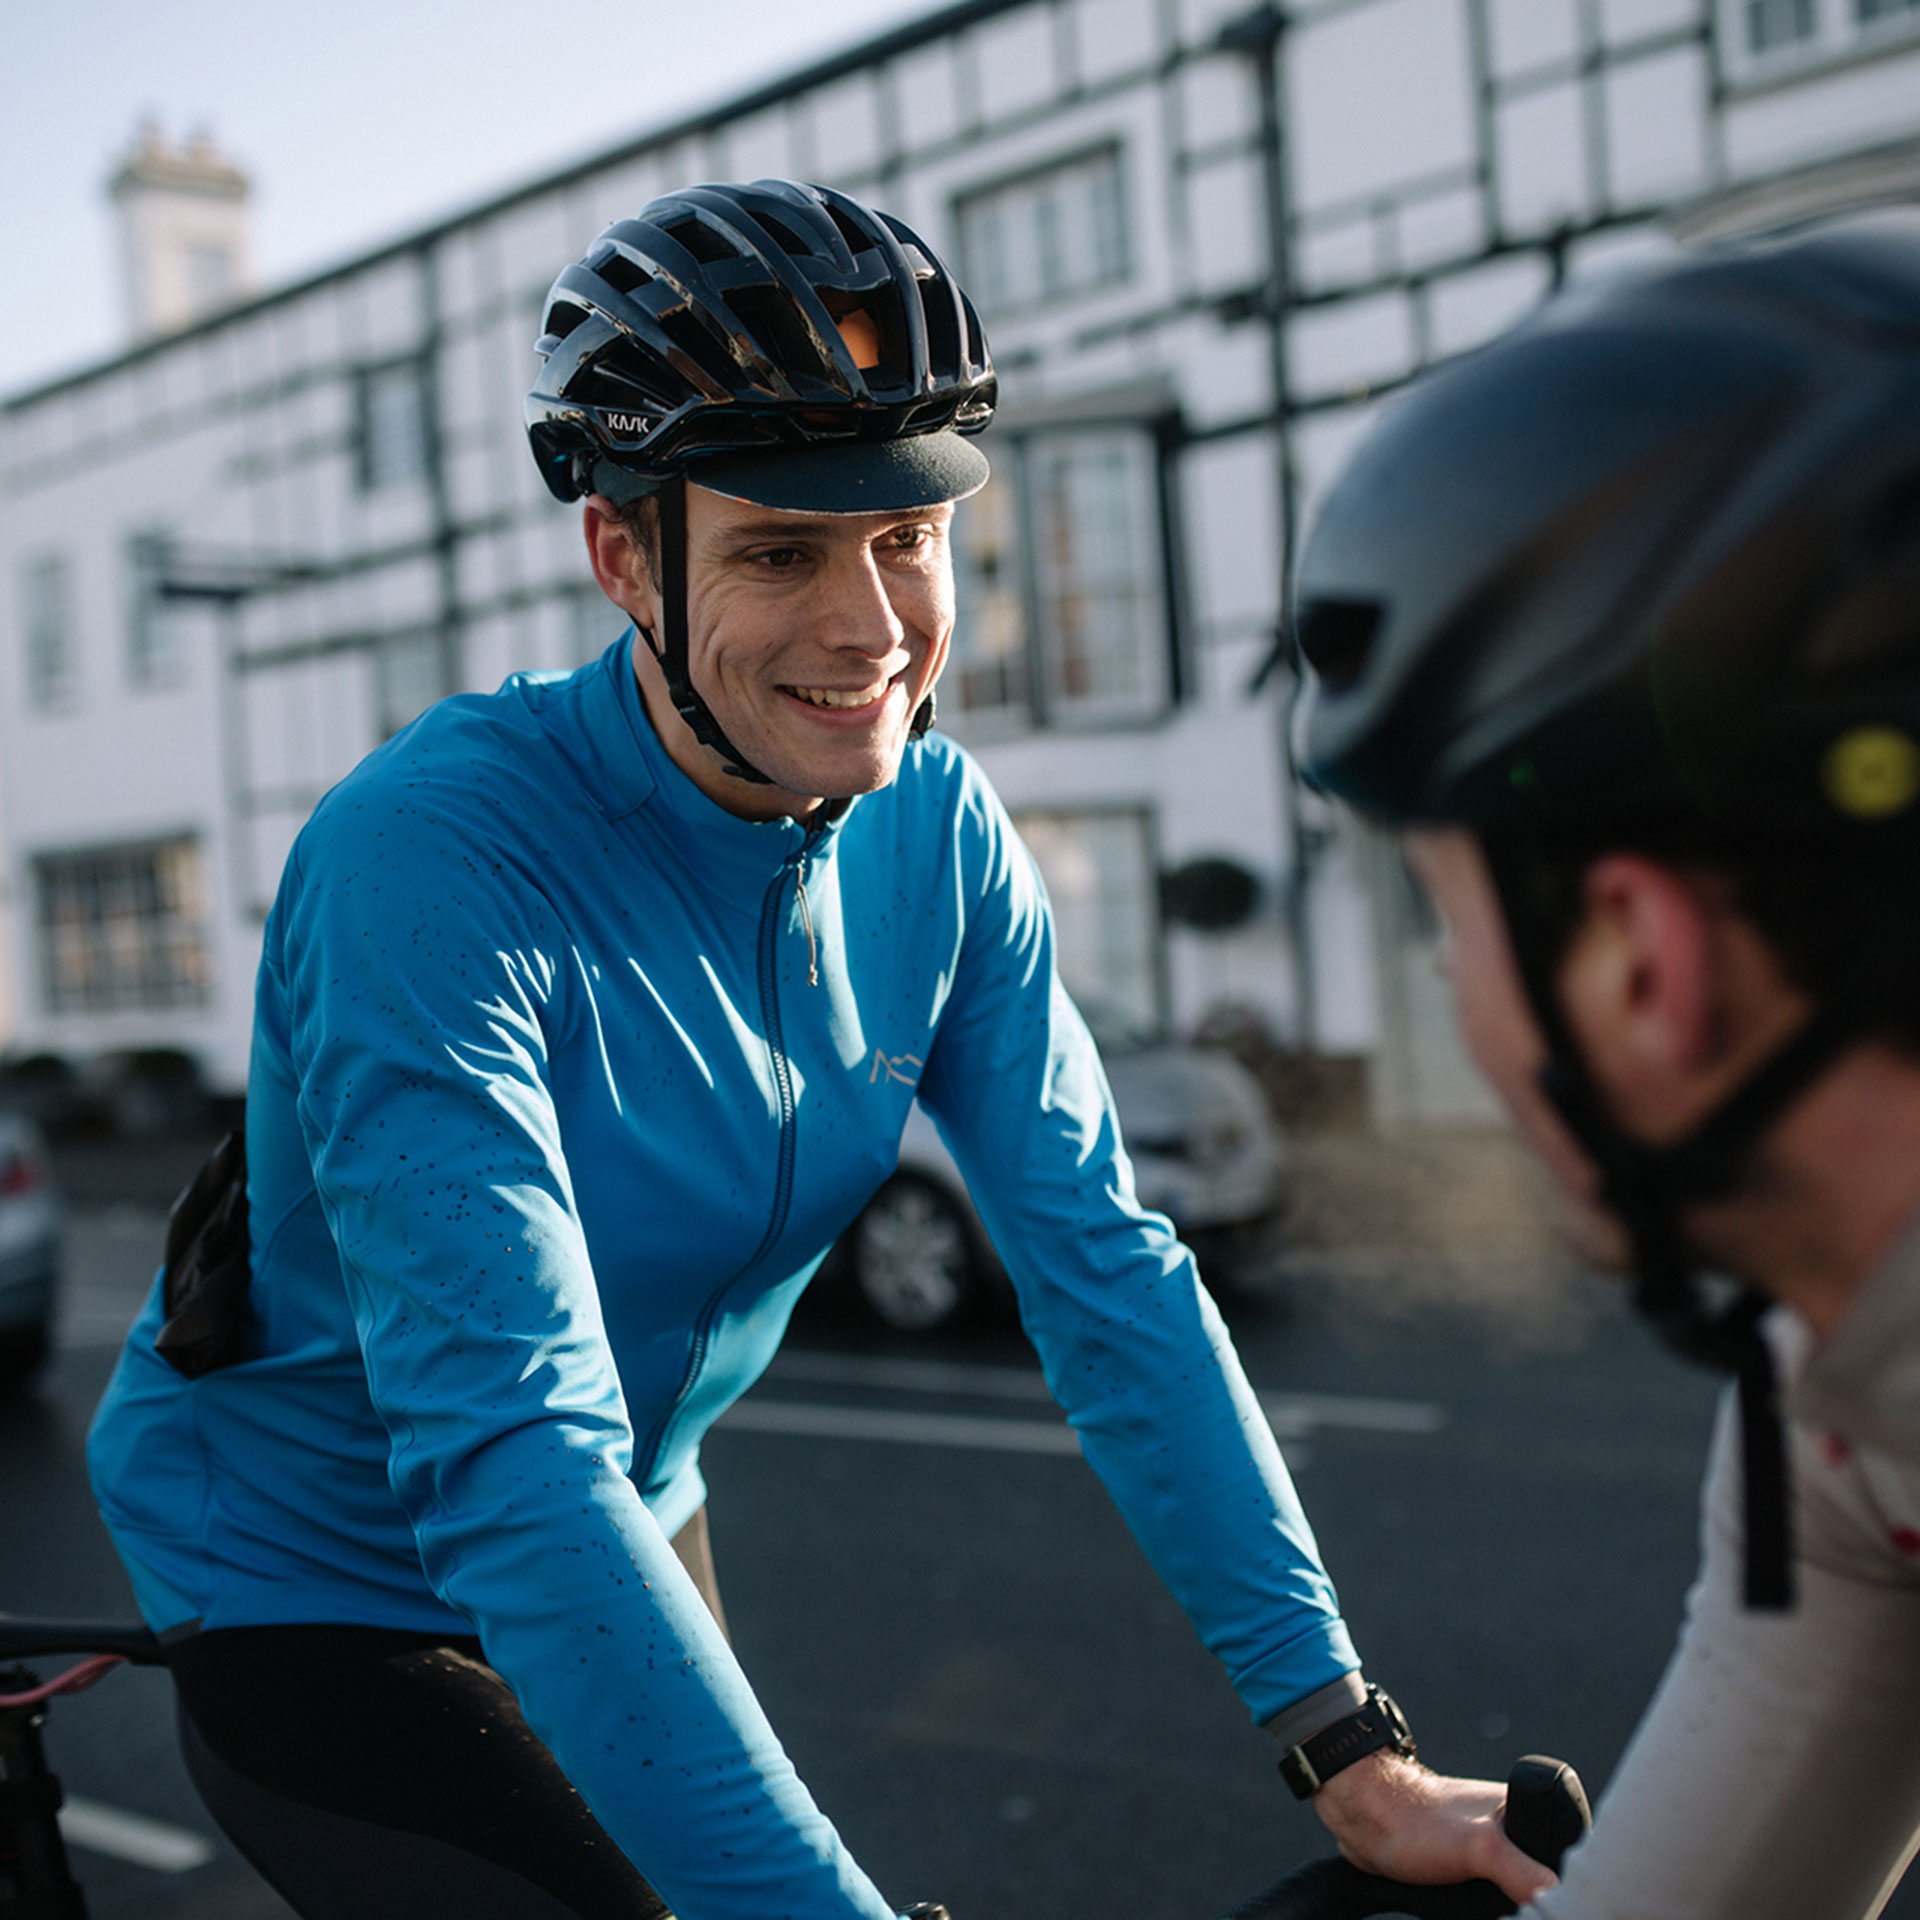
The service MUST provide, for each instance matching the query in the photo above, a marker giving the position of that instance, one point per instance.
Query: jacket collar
(638, 777)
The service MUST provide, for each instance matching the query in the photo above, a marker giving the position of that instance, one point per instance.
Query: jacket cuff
(1305, 1718)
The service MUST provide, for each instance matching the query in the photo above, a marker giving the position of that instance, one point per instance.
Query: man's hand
(1392, 1816)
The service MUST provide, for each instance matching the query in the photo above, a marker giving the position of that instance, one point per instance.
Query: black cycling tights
(379, 1775)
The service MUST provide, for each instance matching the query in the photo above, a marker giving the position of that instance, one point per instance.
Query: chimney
(183, 231)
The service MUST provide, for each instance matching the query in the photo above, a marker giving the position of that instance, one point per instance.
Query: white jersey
(1776, 1776)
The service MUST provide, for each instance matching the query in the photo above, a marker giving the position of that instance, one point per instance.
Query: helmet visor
(850, 476)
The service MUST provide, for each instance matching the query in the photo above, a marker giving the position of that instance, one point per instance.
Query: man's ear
(619, 563)
(1640, 983)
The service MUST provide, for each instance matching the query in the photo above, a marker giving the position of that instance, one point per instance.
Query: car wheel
(913, 1258)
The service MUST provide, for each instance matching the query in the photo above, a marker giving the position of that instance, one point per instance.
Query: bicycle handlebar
(1546, 1813)
(23, 1639)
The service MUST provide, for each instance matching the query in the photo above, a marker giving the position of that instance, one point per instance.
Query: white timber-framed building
(1205, 240)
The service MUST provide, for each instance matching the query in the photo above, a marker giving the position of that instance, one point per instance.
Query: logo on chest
(890, 1067)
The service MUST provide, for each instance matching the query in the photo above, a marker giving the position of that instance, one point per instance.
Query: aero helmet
(1651, 557)
(776, 342)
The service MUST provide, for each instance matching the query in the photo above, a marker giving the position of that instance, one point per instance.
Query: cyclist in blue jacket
(562, 1083)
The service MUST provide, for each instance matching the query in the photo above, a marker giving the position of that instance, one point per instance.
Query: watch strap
(1307, 1767)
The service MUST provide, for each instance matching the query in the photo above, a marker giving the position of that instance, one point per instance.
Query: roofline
(884, 46)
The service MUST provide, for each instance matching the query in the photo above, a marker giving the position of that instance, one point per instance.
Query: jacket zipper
(769, 969)
(806, 920)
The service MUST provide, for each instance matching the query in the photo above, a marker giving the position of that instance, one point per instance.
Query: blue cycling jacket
(547, 1128)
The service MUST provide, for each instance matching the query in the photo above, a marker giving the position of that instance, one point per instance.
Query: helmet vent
(778, 331)
(562, 318)
(692, 338)
(785, 237)
(1336, 636)
(944, 349)
(858, 241)
(700, 240)
(627, 276)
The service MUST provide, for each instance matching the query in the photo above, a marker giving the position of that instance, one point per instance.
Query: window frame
(1841, 36)
(1150, 922)
(156, 648)
(965, 204)
(1039, 701)
(172, 952)
(371, 475)
(52, 673)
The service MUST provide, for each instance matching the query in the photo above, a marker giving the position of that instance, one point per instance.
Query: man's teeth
(834, 697)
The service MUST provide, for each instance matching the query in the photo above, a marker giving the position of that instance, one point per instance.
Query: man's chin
(836, 777)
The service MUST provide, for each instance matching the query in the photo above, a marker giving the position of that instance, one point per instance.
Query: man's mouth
(837, 696)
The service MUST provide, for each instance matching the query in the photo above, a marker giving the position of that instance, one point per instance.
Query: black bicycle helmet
(1653, 555)
(777, 342)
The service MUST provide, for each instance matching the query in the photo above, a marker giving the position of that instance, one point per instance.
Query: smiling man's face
(814, 638)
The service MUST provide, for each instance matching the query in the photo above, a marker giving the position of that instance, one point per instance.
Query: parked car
(1205, 1150)
(29, 1248)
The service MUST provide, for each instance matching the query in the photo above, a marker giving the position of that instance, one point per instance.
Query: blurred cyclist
(1620, 620)
(590, 1012)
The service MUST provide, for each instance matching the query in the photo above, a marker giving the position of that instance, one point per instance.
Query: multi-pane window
(1058, 231)
(153, 623)
(394, 425)
(1099, 870)
(1064, 614)
(987, 671)
(409, 675)
(48, 624)
(124, 927)
(1778, 23)
(1102, 612)
(1765, 33)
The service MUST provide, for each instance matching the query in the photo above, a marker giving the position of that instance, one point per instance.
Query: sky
(357, 119)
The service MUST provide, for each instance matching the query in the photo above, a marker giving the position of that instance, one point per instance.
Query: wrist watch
(1380, 1723)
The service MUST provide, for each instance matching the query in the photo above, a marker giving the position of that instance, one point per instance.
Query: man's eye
(780, 556)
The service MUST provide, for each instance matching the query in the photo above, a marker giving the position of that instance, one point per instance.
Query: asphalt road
(968, 1658)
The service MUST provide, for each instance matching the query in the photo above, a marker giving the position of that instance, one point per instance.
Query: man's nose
(860, 612)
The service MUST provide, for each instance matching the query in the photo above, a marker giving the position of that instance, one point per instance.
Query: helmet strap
(923, 718)
(671, 649)
(1649, 1186)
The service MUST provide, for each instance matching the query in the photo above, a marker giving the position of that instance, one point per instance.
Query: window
(1763, 37)
(1069, 625)
(1046, 235)
(153, 624)
(394, 426)
(1099, 871)
(1778, 23)
(409, 675)
(1102, 623)
(124, 927)
(51, 668)
(987, 670)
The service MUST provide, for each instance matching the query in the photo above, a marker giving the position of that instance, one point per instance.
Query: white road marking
(1293, 1415)
(910, 1376)
(814, 1421)
(1303, 1413)
(133, 1837)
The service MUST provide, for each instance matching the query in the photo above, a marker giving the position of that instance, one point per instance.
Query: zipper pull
(806, 920)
